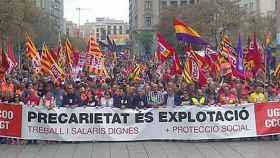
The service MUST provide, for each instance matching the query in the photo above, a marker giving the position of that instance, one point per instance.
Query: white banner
(109, 124)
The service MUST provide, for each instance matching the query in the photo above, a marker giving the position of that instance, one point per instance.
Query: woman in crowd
(107, 100)
(48, 100)
(33, 99)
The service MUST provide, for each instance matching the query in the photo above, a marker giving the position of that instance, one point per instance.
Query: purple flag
(240, 56)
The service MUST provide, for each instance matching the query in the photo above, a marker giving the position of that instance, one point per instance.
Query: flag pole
(265, 70)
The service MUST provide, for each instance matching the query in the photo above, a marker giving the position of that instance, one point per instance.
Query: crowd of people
(150, 90)
(121, 92)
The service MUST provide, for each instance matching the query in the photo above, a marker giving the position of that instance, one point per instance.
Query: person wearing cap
(257, 96)
(70, 99)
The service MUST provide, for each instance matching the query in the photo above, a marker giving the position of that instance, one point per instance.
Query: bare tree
(211, 18)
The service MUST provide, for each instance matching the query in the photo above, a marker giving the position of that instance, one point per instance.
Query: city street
(263, 149)
(140, 79)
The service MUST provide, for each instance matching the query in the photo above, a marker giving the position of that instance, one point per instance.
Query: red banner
(10, 120)
(267, 118)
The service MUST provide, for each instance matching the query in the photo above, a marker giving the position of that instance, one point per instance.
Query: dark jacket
(177, 99)
(70, 99)
(92, 102)
(141, 101)
(131, 102)
(119, 101)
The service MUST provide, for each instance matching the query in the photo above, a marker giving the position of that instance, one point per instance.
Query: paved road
(265, 149)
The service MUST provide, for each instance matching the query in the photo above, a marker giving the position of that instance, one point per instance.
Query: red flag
(254, 58)
(240, 75)
(211, 59)
(93, 47)
(3, 66)
(5, 63)
(68, 50)
(200, 59)
(54, 52)
(195, 63)
(164, 49)
(76, 57)
(176, 68)
(11, 56)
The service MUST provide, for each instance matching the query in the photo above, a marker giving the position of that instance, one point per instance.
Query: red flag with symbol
(164, 49)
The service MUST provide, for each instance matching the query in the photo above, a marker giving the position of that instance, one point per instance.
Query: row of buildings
(55, 10)
(143, 16)
(117, 30)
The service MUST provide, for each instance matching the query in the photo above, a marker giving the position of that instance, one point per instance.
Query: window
(251, 5)
(109, 30)
(121, 30)
(191, 1)
(184, 3)
(148, 21)
(97, 30)
(103, 34)
(163, 4)
(148, 4)
(174, 3)
(115, 30)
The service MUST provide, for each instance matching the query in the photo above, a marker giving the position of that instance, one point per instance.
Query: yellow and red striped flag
(93, 47)
(135, 74)
(186, 74)
(31, 52)
(277, 72)
(50, 67)
(68, 49)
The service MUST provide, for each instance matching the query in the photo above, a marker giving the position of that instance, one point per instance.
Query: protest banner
(113, 124)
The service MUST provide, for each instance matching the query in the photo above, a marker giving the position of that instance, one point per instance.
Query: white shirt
(107, 102)
(170, 100)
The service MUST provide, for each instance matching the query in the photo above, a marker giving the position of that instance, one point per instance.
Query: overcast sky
(117, 9)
